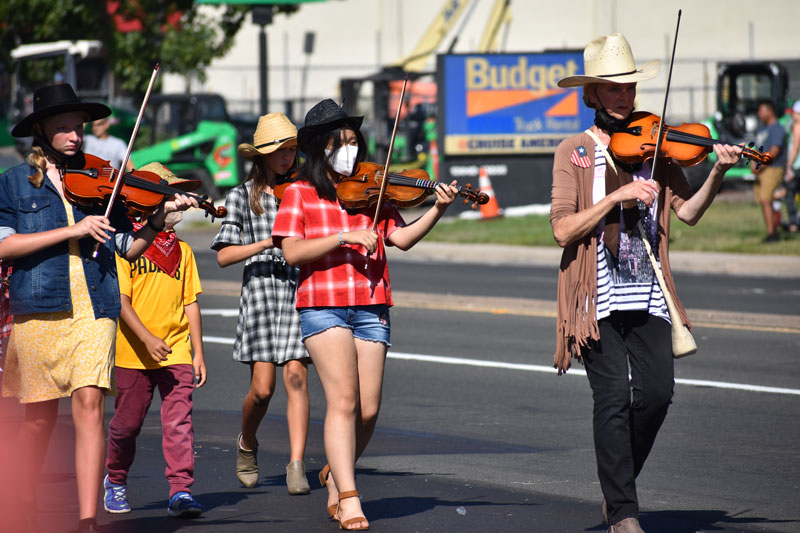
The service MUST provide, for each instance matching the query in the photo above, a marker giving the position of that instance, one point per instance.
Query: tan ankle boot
(296, 480)
(246, 464)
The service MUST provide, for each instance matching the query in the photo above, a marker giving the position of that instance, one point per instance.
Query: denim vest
(40, 281)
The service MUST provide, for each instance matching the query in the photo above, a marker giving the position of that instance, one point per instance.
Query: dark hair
(259, 174)
(315, 168)
(770, 104)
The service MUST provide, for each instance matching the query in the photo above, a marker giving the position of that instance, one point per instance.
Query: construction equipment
(194, 136)
(417, 129)
(740, 88)
(82, 64)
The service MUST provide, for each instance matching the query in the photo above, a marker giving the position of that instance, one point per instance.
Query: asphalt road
(478, 433)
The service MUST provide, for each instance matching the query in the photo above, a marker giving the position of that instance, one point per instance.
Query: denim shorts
(368, 322)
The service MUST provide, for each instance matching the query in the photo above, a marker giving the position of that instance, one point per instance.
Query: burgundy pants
(135, 393)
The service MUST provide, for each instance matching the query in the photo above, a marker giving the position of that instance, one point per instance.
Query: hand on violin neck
(445, 195)
(727, 156)
(180, 202)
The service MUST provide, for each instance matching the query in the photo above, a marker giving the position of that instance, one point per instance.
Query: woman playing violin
(343, 293)
(268, 330)
(65, 302)
(611, 311)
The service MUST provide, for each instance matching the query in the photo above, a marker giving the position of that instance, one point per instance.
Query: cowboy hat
(325, 116)
(609, 59)
(53, 100)
(274, 131)
(174, 181)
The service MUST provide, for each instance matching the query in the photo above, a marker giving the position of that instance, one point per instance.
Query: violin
(279, 188)
(405, 189)
(142, 191)
(687, 144)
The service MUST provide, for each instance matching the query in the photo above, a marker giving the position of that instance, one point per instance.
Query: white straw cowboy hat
(274, 131)
(609, 59)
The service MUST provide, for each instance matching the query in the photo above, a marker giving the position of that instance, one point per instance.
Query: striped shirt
(627, 283)
(339, 278)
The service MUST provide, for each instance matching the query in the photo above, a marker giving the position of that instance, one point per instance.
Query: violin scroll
(476, 197)
(760, 157)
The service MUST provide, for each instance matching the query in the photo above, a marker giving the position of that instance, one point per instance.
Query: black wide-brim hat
(56, 99)
(323, 117)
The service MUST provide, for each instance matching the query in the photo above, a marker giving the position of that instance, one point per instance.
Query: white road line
(545, 369)
(221, 312)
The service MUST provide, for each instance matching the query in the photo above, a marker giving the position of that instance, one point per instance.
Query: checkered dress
(268, 329)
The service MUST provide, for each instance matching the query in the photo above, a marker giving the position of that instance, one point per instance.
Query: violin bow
(386, 166)
(121, 179)
(666, 97)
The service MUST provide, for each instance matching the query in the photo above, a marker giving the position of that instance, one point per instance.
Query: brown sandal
(323, 480)
(350, 521)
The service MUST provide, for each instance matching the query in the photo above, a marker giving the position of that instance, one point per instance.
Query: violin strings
(419, 183)
(690, 138)
(158, 187)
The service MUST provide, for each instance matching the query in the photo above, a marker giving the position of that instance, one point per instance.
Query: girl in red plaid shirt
(342, 296)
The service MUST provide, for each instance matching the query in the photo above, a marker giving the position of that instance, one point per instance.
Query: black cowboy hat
(323, 117)
(53, 100)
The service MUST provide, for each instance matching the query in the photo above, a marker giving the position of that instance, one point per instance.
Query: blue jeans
(369, 322)
(625, 424)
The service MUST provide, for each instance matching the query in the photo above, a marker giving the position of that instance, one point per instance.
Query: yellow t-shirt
(159, 300)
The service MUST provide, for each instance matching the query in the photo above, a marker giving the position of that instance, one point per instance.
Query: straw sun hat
(609, 59)
(274, 131)
(174, 181)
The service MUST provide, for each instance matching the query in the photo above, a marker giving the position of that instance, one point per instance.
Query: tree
(137, 34)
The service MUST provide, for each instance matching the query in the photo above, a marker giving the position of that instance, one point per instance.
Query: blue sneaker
(183, 505)
(115, 499)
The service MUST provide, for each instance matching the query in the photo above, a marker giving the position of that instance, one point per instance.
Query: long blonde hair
(37, 160)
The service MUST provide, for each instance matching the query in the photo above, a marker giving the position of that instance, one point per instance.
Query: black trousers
(628, 412)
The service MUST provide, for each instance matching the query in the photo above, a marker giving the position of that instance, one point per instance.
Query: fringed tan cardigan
(577, 276)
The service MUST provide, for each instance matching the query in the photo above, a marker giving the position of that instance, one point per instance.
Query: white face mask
(343, 159)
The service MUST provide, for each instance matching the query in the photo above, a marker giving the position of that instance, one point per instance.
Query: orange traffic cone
(490, 209)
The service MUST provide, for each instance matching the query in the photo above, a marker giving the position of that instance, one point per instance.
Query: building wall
(357, 37)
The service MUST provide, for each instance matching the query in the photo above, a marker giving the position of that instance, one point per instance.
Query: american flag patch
(579, 158)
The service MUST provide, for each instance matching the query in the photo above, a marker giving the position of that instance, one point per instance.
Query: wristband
(153, 226)
(341, 242)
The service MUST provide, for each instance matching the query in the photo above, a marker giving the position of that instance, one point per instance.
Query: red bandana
(165, 252)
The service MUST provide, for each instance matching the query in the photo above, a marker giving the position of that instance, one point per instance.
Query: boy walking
(159, 344)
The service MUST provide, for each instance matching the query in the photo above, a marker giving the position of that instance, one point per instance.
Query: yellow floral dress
(50, 355)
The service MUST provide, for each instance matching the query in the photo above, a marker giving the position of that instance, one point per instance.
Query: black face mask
(58, 158)
(606, 122)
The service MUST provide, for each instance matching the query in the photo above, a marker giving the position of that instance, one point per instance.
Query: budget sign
(509, 103)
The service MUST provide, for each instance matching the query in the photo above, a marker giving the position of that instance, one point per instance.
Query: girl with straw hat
(268, 329)
(612, 313)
